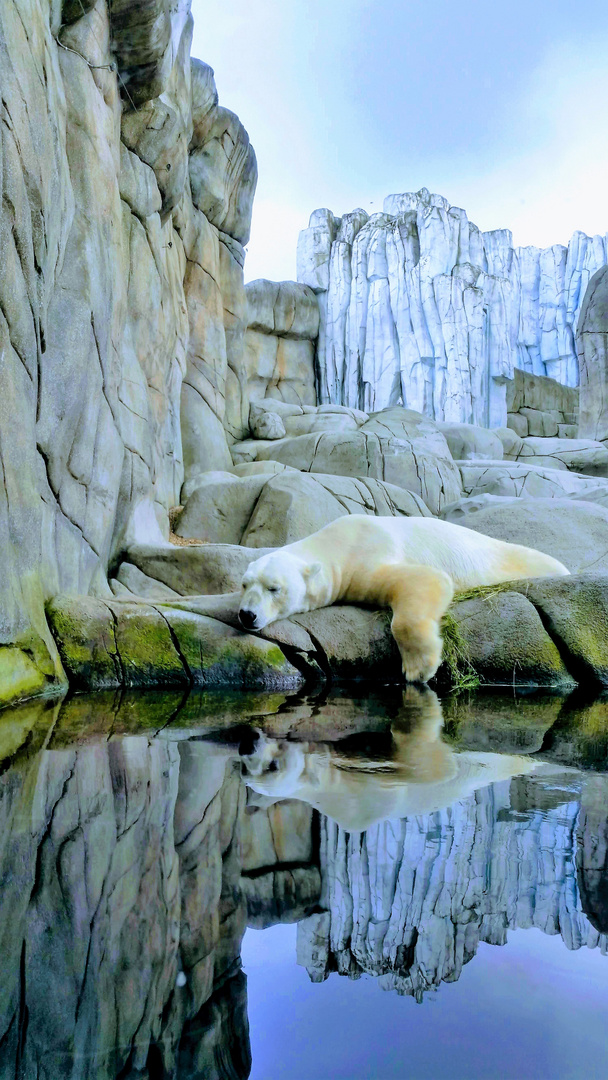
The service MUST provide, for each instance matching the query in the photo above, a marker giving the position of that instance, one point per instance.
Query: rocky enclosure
(162, 424)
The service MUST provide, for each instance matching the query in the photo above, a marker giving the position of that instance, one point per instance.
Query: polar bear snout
(248, 619)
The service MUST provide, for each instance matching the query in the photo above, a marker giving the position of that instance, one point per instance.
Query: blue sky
(499, 106)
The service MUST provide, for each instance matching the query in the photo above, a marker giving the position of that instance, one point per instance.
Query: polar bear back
(359, 544)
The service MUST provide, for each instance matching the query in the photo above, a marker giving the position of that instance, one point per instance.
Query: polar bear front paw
(420, 650)
(419, 667)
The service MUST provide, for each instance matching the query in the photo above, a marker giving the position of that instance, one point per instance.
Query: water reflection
(131, 864)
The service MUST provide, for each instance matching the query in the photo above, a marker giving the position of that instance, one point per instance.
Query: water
(223, 886)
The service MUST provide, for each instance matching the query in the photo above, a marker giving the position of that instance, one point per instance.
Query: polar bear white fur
(411, 565)
(422, 775)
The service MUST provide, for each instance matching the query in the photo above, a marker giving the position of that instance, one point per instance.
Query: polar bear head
(277, 586)
(273, 768)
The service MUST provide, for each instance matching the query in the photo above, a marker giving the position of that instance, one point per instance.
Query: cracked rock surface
(419, 307)
(127, 196)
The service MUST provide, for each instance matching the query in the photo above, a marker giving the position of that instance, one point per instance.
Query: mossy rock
(505, 642)
(218, 655)
(83, 628)
(575, 611)
(130, 644)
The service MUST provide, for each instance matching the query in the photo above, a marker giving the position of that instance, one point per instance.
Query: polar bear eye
(273, 588)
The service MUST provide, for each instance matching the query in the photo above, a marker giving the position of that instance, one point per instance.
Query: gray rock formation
(573, 531)
(269, 511)
(119, 292)
(592, 343)
(283, 324)
(537, 405)
(397, 445)
(421, 308)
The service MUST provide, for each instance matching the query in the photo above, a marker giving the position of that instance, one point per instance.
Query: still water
(380, 887)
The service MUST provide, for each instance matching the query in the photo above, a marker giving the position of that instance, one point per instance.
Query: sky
(499, 106)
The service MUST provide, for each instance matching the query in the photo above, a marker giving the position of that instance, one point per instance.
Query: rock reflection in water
(131, 864)
(119, 873)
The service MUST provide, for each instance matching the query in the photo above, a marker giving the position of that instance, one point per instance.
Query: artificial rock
(118, 295)
(282, 327)
(419, 307)
(573, 531)
(397, 446)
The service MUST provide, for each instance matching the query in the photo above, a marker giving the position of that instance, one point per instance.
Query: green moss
(26, 669)
(146, 648)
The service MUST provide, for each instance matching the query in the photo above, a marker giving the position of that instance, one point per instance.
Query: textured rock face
(573, 531)
(270, 511)
(592, 343)
(397, 446)
(419, 307)
(537, 405)
(283, 324)
(409, 901)
(118, 292)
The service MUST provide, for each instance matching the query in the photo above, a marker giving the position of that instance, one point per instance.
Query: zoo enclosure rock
(270, 511)
(119, 296)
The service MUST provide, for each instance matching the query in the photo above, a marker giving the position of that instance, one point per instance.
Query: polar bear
(423, 773)
(411, 565)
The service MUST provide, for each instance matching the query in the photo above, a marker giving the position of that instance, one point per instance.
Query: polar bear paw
(419, 667)
(420, 646)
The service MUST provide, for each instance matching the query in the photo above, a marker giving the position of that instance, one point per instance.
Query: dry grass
(180, 541)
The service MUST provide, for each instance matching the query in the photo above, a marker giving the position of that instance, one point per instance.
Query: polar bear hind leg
(419, 596)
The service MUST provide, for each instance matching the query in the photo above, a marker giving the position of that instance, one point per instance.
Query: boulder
(219, 510)
(295, 505)
(522, 480)
(505, 642)
(511, 442)
(198, 570)
(579, 455)
(575, 612)
(267, 510)
(268, 425)
(574, 531)
(398, 446)
(353, 643)
(123, 643)
(469, 443)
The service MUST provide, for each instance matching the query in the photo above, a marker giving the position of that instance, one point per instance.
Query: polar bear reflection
(422, 774)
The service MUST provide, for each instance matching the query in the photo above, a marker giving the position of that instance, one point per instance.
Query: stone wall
(419, 306)
(127, 195)
(539, 406)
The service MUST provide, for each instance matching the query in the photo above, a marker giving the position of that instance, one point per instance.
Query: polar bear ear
(310, 572)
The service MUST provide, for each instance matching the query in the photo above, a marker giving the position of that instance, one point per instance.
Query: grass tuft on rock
(456, 668)
(484, 592)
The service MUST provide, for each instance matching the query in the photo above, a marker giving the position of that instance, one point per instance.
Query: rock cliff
(127, 195)
(419, 306)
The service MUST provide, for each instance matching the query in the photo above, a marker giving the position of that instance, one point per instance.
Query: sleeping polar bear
(423, 774)
(411, 565)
